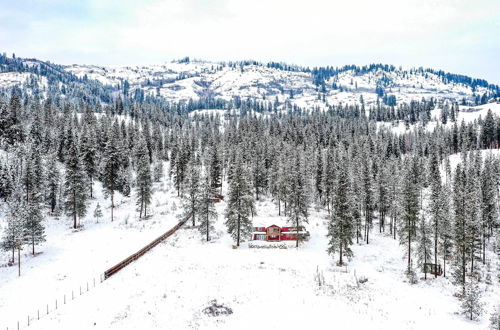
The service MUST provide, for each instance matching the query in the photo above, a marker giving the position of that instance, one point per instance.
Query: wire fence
(56, 304)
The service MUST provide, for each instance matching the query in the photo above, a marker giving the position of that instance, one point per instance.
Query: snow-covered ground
(466, 114)
(170, 286)
(69, 259)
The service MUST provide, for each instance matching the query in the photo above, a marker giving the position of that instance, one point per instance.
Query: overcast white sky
(461, 36)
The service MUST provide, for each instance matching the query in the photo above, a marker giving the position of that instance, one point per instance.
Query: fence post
(28, 320)
(72, 295)
(38, 314)
(56, 303)
(64, 299)
(80, 290)
(47, 309)
(87, 286)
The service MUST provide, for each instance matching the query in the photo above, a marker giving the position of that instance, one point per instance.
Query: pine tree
(340, 228)
(89, 155)
(495, 319)
(473, 207)
(53, 179)
(424, 244)
(318, 183)
(215, 165)
(471, 303)
(368, 200)
(383, 196)
(158, 170)
(240, 204)
(191, 193)
(409, 210)
(436, 204)
(206, 209)
(488, 131)
(489, 212)
(32, 177)
(112, 164)
(446, 232)
(329, 176)
(14, 229)
(33, 228)
(461, 235)
(298, 199)
(97, 212)
(75, 193)
(144, 183)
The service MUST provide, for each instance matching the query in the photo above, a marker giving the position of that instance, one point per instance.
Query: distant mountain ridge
(202, 84)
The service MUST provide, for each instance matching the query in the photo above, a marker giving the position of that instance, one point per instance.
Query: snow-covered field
(466, 114)
(170, 286)
(69, 259)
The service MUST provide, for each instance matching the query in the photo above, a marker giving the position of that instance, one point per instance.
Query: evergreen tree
(495, 319)
(112, 164)
(89, 155)
(206, 209)
(191, 194)
(424, 244)
(368, 199)
(240, 204)
(158, 170)
(13, 231)
(144, 183)
(298, 199)
(318, 183)
(97, 212)
(75, 193)
(33, 228)
(489, 212)
(461, 235)
(53, 179)
(215, 165)
(446, 231)
(409, 210)
(471, 303)
(340, 228)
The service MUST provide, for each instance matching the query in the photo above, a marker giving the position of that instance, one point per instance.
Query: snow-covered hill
(182, 81)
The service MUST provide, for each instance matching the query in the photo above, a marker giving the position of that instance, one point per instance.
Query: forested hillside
(434, 189)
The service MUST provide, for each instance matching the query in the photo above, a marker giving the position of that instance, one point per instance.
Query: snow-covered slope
(466, 114)
(184, 80)
(181, 81)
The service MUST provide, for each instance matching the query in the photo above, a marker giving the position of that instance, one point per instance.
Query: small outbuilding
(433, 269)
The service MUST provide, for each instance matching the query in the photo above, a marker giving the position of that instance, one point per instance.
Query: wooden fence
(116, 268)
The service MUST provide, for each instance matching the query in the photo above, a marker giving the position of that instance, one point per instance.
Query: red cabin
(276, 233)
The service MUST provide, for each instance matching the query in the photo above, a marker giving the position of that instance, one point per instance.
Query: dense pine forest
(366, 176)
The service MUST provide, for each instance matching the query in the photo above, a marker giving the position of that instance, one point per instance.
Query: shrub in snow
(472, 306)
(411, 275)
(98, 212)
(319, 278)
(215, 309)
(495, 319)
